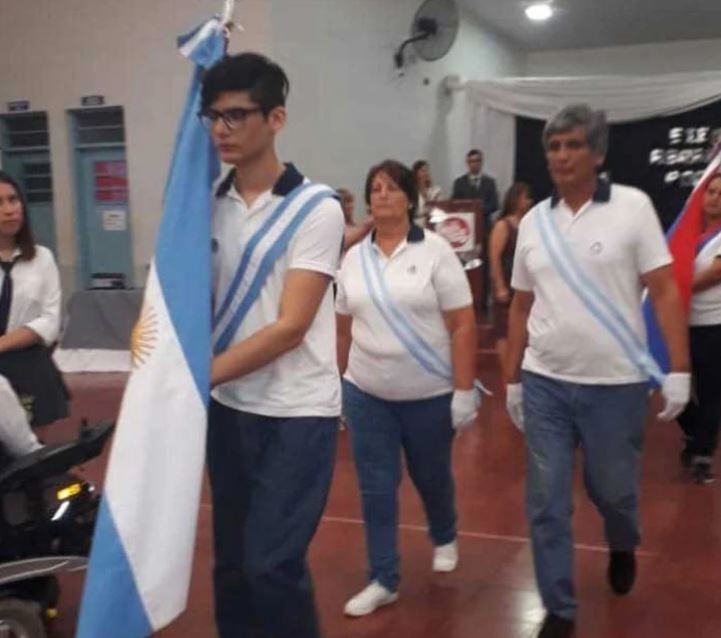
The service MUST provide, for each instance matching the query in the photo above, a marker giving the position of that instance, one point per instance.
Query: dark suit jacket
(463, 189)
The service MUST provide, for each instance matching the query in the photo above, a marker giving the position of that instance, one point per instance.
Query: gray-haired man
(577, 364)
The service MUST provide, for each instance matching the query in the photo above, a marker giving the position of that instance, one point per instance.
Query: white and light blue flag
(140, 565)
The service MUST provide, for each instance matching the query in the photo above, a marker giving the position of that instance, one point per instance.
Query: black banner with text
(662, 156)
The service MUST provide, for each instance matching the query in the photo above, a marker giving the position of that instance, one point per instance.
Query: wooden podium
(477, 249)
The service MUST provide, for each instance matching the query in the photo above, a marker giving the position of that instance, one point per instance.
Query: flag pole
(140, 566)
(226, 18)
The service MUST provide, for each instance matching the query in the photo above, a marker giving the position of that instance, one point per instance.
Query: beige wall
(348, 107)
(62, 50)
(665, 57)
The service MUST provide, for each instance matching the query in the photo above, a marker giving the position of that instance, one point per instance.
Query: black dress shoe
(702, 473)
(686, 456)
(556, 627)
(622, 572)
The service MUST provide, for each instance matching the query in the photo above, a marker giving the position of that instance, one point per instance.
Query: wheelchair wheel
(20, 619)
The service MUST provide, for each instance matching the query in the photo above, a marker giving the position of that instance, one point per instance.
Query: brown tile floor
(492, 593)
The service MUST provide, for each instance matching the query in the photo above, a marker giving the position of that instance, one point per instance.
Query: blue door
(25, 141)
(103, 214)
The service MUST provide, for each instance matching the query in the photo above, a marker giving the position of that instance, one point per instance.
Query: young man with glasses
(275, 403)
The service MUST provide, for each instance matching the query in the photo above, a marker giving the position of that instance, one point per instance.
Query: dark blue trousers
(270, 479)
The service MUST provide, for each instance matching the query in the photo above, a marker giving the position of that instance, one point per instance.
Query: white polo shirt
(424, 278)
(305, 380)
(36, 296)
(615, 237)
(706, 305)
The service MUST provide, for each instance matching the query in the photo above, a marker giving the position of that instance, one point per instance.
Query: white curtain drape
(496, 103)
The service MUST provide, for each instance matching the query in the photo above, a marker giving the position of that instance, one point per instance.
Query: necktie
(476, 182)
(6, 294)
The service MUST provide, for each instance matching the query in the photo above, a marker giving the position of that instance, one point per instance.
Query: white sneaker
(445, 557)
(368, 600)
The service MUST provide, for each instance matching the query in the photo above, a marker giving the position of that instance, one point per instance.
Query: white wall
(54, 52)
(666, 57)
(348, 106)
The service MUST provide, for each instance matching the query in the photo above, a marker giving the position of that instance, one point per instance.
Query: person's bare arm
(343, 340)
(496, 246)
(302, 294)
(461, 325)
(353, 233)
(708, 277)
(517, 334)
(670, 315)
(18, 339)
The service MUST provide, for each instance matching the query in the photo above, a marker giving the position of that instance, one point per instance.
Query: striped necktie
(6, 294)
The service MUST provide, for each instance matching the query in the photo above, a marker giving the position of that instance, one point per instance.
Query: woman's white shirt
(706, 305)
(36, 295)
(424, 278)
(425, 204)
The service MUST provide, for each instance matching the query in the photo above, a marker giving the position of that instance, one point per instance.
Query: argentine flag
(140, 564)
(682, 238)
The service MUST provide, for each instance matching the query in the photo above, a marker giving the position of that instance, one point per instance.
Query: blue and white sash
(592, 296)
(708, 248)
(401, 326)
(259, 255)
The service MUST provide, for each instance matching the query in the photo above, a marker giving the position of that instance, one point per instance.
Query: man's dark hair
(402, 176)
(513, 195)
(265, 82)
(474, 151)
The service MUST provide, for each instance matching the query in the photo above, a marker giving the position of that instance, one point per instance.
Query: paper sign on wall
(459, 229)
(115, 220)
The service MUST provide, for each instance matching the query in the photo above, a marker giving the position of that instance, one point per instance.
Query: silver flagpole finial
(226, 18)
(228, 9)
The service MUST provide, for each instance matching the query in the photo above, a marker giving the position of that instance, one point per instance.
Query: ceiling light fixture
(539, 11)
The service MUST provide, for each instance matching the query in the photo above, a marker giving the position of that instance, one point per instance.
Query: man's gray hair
(580, 116)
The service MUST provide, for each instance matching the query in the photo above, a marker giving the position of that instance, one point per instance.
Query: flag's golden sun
(144, 336)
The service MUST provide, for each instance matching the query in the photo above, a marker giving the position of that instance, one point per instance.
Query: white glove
(514, 404)
(676, 391)
(464, 408)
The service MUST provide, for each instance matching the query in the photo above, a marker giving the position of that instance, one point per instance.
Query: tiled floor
(492, 594)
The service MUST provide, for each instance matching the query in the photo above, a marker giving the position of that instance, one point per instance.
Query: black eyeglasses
(232, 118)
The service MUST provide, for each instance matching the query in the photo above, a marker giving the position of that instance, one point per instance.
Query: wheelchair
(47, 517)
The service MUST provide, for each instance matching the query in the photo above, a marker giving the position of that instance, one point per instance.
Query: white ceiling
(599, 23)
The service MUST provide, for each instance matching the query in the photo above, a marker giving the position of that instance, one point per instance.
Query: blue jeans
(270, 479)
(607, 422)
(379, 431)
